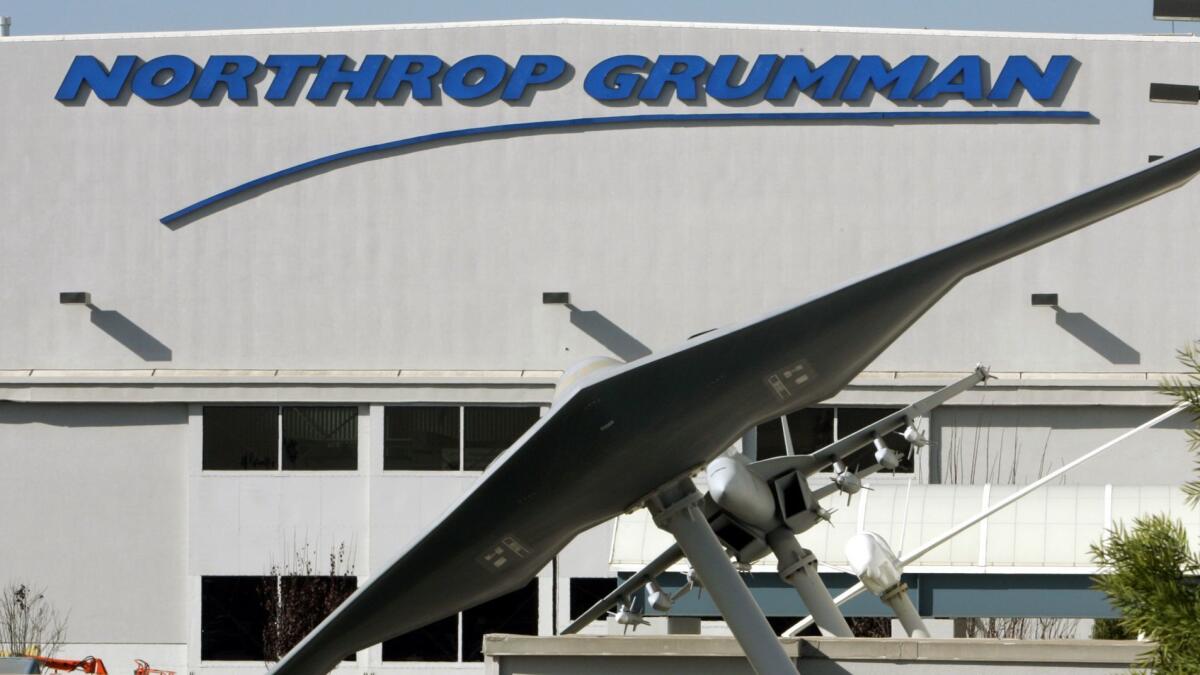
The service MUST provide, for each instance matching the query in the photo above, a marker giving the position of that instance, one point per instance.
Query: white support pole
(798, 568)
(675, 509)
(855, 590)
(787, 436)
(902, 605)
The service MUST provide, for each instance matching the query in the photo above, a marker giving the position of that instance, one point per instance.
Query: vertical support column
(675, 509)
(798, 567)
(194, 462)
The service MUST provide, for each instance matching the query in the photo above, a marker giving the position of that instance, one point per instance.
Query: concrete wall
(436, 258)
(95, 504)
(517, 655)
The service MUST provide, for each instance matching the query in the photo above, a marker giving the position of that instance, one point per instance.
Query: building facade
(315, 262)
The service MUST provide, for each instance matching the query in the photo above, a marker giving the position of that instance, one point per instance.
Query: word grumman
(422, 77)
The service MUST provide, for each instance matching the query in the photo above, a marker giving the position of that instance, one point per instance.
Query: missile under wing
(620, 434)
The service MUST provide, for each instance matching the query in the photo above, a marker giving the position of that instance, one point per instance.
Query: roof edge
(602, 22)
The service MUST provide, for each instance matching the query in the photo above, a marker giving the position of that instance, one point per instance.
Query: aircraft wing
(613, 440)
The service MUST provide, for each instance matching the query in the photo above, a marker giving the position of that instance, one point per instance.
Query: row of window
(453, 438)
(325, 438)
(813, 428)
(257, 618)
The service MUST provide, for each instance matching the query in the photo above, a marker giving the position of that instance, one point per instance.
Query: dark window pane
(420, 437)
(812, 429)
(489, 430)
(320, 439)
(512, 613)
(586, 592)
(241, 437)
(233, 614)
(305, 601)
(853, 419)
(782, 623)
(436, 642)
(770, 440)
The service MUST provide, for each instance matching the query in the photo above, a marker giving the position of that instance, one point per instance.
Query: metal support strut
(675, 509)
(897, 598)
(798, 567)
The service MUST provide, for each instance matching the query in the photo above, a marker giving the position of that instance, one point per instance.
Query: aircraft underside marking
(792, 377)
(497, 557)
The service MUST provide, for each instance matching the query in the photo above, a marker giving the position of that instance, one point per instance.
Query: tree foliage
(297, 596)
(1149, 571)
(29, 624)
(1149, 577)
(1111, 629)
(1186, 389)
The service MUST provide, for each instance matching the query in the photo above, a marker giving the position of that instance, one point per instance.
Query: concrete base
(701, 655)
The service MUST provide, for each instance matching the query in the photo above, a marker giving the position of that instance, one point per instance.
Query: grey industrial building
(275, 356)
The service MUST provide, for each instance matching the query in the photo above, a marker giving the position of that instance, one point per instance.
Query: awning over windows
(1049, 531)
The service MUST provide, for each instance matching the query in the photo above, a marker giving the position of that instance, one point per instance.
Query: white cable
(858, 588)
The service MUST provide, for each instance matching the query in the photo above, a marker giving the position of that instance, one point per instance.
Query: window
(302, 603)
(265, 438)
(242, 618)
(320, 439)
(439, 641)
(421, 437)
(515, 612)
(451, 438)
(436, 642)
(240, 438)
(814, 428)
(490, 431)
(586, 592)
(233, 616)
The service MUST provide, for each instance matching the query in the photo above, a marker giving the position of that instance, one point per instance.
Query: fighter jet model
(619, 436)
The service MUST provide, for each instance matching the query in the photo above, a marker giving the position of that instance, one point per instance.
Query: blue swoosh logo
(207, 203)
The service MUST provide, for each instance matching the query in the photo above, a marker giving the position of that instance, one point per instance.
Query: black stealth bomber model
(632, 434)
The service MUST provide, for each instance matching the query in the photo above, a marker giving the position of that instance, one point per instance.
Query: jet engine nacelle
(740, 492)
(873, 561)
(580, 371)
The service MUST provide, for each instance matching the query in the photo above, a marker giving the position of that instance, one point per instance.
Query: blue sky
(34, 17)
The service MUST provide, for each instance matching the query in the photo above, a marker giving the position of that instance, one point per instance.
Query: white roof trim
(604, 22)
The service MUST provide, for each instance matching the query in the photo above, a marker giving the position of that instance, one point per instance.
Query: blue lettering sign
(333, 71)
(106, 83)
(231, 71)
(1020, 69)
(964, 76)
(287, 67)
(416, 71)
(474, 77)
(532, 70)
(796, 71)
(621, 78)
(720, 85)
(874, 71)
(682, 72)
(163, 77)
(611, 79)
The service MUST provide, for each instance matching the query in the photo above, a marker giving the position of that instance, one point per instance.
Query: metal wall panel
(436, 258)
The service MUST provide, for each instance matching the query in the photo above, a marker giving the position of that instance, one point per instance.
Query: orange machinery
(94, 666)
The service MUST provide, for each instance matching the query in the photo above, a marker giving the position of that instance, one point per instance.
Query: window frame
(361, 416)
(278, 581)
(542, 408)
(918, 465)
